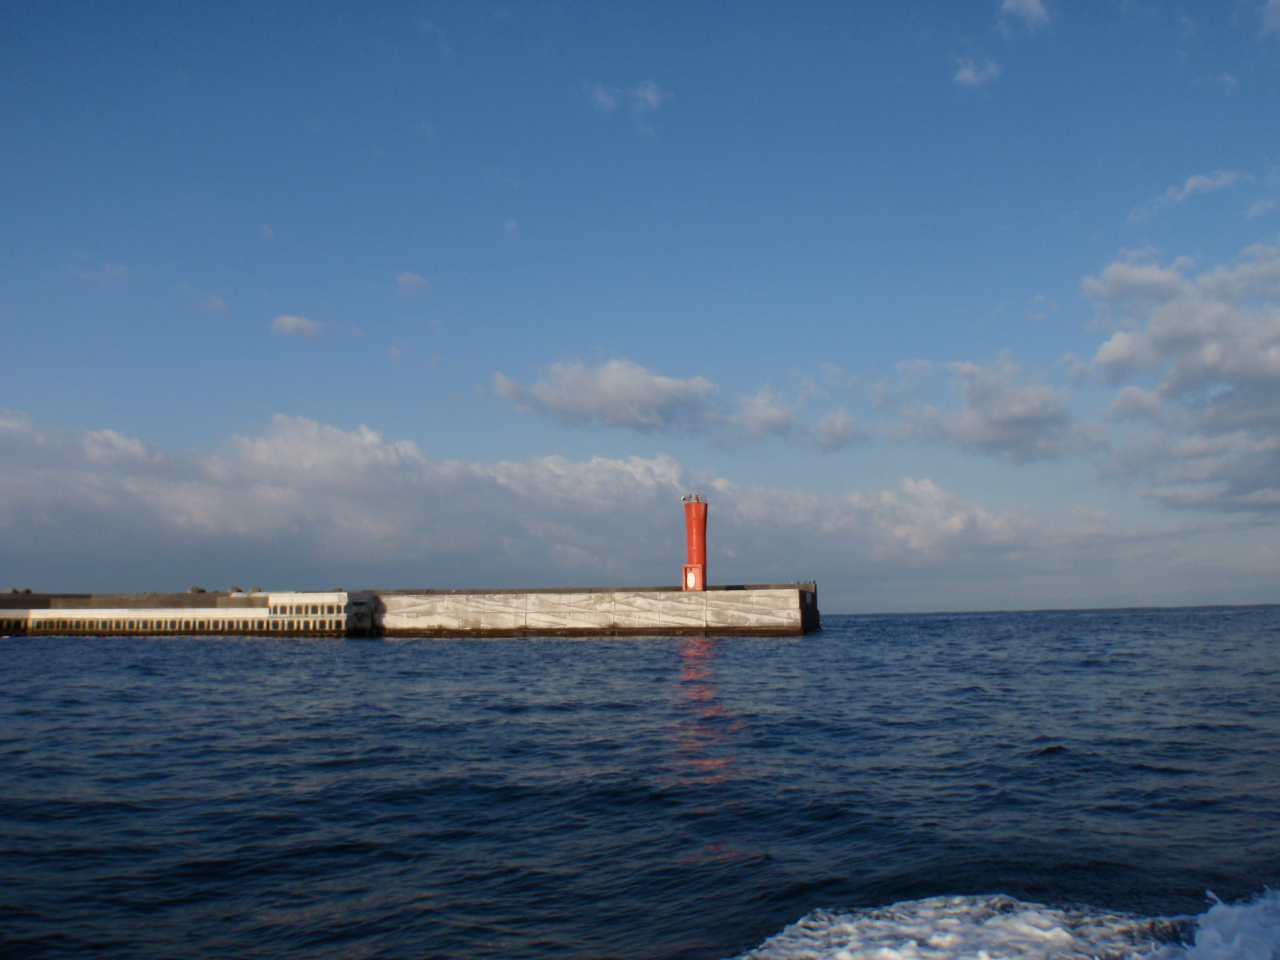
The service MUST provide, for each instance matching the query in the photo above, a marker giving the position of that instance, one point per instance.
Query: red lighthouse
(695, 523)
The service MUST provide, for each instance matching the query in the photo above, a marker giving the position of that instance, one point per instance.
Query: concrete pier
(332, 613)
(769, 610)
(773, 610)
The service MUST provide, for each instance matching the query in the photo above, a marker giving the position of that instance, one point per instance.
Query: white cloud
(1210, 344)
(617, 394)
(1200, 183)
(621, 393)
(763, 413)
(1133, 402)
(409, 282)
(603, 98)
(1259, 207)
(1032, 12)
(107, 447)
(837, 429)
(1041, 307)
(285, 323)
(1270, 17)
(1119, 354)
(970, 73)
(1129, 281)
(885, 394)
(1003, 417)
(644, 98)
(647, 95)
(1227, 82)
(1077, 369)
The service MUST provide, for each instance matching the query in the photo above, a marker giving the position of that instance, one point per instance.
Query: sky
(947, 305)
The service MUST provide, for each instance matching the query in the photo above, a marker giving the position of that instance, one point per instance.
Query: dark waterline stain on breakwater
(625, 798)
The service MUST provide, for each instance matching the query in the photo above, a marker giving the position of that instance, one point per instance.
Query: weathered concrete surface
(772, 610)
(775, 610)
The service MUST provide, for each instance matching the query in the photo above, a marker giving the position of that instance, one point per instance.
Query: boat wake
(1002, 928)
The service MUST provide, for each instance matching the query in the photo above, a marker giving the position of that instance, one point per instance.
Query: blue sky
(949, 305)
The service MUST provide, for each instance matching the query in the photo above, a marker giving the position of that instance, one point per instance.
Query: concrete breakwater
(771, 610)
(776, 610)
(691, 609)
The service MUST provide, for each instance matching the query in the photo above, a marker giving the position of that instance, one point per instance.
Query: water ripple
(652, 798)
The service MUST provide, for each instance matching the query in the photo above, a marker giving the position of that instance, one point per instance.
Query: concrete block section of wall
(759, 608)
(587, 612)
(774, 610)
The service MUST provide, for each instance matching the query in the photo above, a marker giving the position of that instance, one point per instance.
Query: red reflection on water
(705, 739)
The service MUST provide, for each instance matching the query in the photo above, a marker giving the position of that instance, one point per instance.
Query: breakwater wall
(771, 610)
(331, 613)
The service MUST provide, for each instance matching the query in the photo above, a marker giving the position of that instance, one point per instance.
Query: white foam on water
(1002, 928)
(1240, 931)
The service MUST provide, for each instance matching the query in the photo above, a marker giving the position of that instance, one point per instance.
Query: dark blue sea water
(626, 798)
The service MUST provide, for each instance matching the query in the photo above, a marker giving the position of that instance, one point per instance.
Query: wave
(1002, 928)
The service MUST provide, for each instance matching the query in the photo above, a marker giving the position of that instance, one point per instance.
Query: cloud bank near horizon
(304, 504)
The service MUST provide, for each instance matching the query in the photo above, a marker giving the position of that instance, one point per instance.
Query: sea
(911, 787)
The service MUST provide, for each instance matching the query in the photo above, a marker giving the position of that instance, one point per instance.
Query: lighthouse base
(695, 576)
